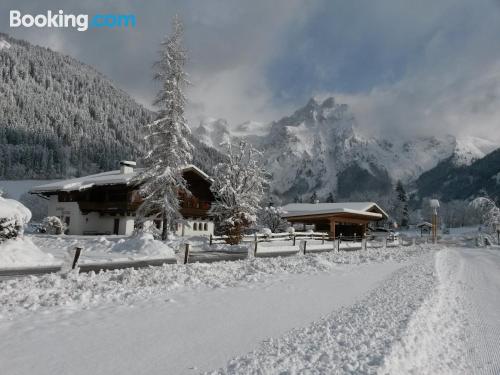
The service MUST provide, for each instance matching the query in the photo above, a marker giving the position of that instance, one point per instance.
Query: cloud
(408, 68)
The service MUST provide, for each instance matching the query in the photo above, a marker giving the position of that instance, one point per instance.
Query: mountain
(449, 181)
(60, 117)
(319, 148)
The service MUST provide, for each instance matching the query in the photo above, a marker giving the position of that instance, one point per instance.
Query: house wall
(94, 222)
(91, 223)
(193, 227)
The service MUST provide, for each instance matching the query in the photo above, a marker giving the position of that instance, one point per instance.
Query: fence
(296, 238)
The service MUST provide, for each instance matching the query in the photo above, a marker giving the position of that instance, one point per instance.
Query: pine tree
(330, 198)
(167, 138)
(239, 188)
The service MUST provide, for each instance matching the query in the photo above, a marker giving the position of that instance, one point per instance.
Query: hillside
(59, 117)
(448, 181)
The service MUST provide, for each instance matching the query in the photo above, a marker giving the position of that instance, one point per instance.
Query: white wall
(188, 228)
(92, 222)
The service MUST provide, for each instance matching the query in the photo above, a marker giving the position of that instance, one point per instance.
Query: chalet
(346, 218)
(106, 203)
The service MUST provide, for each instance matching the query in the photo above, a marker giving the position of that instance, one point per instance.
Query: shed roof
(370, 209)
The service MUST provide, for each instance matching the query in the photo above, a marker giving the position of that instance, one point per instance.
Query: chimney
(127, 166)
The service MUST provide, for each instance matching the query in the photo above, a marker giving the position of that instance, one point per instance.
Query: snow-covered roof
(364, 208)
(424, 224)
(115, 177)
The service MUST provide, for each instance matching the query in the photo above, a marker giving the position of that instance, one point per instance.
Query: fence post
(255, 244)
(323, 239)
(385, 242)
(414, 241)
(305, 246)
(294, 236)
(211, 239)
(186, 254)
(355, 237)
(363, 243)
(78, 251)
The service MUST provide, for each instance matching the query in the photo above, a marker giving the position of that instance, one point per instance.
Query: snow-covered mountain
(320, 149)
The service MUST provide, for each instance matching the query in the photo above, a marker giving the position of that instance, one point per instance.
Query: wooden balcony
(108, 207)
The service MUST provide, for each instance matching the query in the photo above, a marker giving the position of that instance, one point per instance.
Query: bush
(13, 217)
(53, 225)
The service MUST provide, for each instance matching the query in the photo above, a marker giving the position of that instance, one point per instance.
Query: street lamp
(434, 203)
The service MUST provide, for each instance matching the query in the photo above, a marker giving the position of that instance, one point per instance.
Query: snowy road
(387, 312)
(186, 333)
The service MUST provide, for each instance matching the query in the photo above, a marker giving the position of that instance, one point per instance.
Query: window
(205, 226)
(195, 226)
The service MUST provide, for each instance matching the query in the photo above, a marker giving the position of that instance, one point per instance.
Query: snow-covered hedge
(13, 217)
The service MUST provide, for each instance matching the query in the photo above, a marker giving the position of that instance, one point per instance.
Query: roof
(305, 209)
(424, 224)
(100, 179)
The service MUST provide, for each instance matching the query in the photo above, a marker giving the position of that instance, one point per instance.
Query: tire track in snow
(437, 340)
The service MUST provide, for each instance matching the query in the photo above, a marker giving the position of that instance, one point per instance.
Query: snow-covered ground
(415, 309)
(104, 248)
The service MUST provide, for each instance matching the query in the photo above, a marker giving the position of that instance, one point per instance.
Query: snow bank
(126, 286)
(22, 252)
(143, 245)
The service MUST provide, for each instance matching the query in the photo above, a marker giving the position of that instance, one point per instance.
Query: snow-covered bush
(290, 230)
(489, 212)
(266, 232)
(238, 187)
(53, 225)
(272, 218)
(13, 217)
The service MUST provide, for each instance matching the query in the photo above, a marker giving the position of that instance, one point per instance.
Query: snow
(426, 309)
(297, 209)
(352, 339)
(185, 332)
(307, 150)
(22, 252)
(98, 249)
(177, 319)
(4, 44)
(143, 245)
(12, 209)
(100, 179)
(435, 338)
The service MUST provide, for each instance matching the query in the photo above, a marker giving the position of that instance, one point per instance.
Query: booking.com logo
(79, 22)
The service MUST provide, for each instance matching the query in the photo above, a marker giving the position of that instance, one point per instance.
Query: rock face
(319, 149)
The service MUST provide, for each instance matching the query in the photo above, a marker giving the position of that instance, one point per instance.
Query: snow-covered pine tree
(330, 198)
(169, 148)
(239, 188)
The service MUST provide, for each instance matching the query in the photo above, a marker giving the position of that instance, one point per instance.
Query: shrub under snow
(53, 225)
(13, 217)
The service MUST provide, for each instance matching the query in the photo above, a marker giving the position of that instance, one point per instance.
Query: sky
(405, 67)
